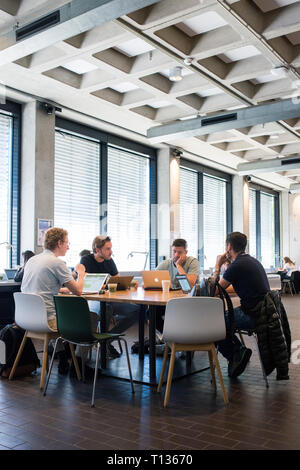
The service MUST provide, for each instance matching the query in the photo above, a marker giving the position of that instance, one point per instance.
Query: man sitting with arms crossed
(249, 280)
(46, 273)
(100, 261)
(180, 263)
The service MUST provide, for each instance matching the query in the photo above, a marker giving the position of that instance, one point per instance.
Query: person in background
(84, 253)
(288, 268)
(26, 256)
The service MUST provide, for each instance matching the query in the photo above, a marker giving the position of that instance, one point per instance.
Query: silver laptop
(152, 279)
(93, 283)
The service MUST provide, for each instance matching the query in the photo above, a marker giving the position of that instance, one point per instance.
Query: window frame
(107, 139)
(204, 170)
(258, 190)
(15, 110)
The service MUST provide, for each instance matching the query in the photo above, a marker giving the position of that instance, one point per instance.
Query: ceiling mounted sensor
(175, 74)
(188, 60)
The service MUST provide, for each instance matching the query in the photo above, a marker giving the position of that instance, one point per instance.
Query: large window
(189, 209)
(76, 200)
(105, 185)
(128, 208)
(205, 213)
(214, 202)
(9, 185)
(264, 243)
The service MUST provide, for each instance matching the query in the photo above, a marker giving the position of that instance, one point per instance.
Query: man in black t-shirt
(100, 261)
(250, 282)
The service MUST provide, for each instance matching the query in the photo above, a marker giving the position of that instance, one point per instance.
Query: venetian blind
(128, 199)
(214, 219)
(76, 190)
(189, 222)
(267, 214)
(5, 186)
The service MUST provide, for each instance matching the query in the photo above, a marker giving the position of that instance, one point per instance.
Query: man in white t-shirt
(46, 274)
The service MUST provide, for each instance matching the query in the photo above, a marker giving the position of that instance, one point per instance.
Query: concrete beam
(238, 118)
(75, 17)
(295, 188)
(264, 166)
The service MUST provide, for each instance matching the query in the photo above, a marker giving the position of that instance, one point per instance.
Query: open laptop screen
(93, 283)
(10, 273)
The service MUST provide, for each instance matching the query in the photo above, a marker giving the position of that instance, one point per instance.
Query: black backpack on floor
(12, 336)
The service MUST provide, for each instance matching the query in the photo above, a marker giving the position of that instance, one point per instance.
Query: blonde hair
(52, 237)
(288, 260)
(99, 242)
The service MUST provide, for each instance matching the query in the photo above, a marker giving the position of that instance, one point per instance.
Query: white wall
(294, 228)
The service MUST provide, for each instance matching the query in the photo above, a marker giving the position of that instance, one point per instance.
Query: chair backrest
(30, 312)
(73, 318)
(274, 281)
(194, 320)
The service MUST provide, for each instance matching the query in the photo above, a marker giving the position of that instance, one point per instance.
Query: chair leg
(51, 365)
(95, 375)
(261, 364)
(212, 369)
(216, 361)
(163, 367)
(15, 364)
(170, 375)
(128, 363)
(74, 359)
(44, 363)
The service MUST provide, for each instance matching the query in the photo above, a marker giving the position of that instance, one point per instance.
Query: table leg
(152, 340)
(103, 328)
(141, 331)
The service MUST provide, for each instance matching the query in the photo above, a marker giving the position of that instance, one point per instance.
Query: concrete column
(37, 181)
(163, 202)
(245, 194)
(175, 197)
(285, 225)
(237, 203)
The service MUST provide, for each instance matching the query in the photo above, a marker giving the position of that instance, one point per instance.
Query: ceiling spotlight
(175, 74)
(188, 60)
(280, 70)
(274, 136)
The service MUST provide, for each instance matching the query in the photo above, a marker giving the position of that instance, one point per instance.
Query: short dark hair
(180, 242)
(237, 240)
(84, 253)
(27, 254)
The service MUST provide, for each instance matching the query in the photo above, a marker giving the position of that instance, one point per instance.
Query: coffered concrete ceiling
(241, 53)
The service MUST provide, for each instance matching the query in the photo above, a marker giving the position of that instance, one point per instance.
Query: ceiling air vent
(38, 25)
(218, 119)
(290, 161)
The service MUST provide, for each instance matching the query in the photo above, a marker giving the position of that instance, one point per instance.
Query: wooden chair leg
(44, 363)
(74, 359)
(170, 375)
(163, 367)
(216, 361)
(212, 369)
(15, 364)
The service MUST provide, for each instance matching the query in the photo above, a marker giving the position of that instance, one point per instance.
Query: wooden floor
(256, 418)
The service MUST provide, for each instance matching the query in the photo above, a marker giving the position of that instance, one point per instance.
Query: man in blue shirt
(250, 282)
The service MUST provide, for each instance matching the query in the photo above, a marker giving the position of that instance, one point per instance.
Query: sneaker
(237, 366)
(112, 353)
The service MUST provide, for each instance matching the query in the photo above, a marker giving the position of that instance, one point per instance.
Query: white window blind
(76, 197)
(214, 200)
(252, 223)
(189, 209)
(267, 214)
(128, 221)
(5, 186)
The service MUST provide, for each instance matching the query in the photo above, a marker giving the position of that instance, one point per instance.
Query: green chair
(74, 326)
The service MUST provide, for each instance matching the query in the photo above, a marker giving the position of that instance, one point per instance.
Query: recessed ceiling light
(282, 70)
(274, 136)
(175, 74)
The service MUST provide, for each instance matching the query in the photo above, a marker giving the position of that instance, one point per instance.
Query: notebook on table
(123, 282)
(93, 283)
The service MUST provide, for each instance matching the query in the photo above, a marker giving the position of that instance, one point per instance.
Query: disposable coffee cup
(112, 287)
(133, 285)
(165, 286)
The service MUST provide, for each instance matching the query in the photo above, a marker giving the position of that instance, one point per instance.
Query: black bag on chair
(12, 337)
